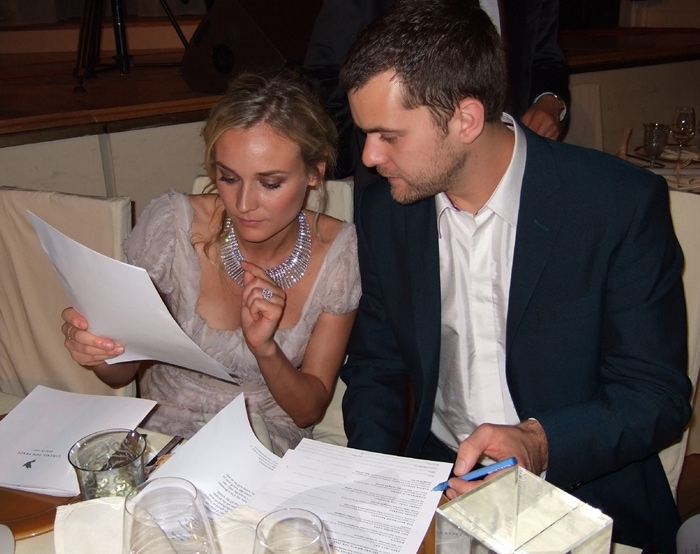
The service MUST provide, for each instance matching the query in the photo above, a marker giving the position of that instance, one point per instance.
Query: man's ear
(470, 113)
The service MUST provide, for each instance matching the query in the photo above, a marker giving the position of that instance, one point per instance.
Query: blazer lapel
(539, 219)
(423, 277)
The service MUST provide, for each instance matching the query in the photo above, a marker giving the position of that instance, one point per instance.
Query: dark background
(574, 14)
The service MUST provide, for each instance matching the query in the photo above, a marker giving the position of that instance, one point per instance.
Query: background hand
(543, 117)
(84, 347)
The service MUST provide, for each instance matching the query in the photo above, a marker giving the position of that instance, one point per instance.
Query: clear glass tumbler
(108, 463)
(291, 531)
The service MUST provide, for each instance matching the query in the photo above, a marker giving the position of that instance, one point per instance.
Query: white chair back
(585, 117)
(31, 297)
(685, 211)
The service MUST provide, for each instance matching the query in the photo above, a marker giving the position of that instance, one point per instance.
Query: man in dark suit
(521, 297)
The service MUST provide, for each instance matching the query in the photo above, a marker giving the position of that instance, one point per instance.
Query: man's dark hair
(441, 51)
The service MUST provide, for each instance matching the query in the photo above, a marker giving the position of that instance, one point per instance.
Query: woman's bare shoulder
(328, 227)
(206, 208)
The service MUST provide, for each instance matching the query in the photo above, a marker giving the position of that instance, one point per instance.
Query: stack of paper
(369, 502)
(38, 433)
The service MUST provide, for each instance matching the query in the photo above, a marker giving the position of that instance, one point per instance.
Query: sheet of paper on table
(121, 302)
(369, 502)
(224, 459)
(37, 434)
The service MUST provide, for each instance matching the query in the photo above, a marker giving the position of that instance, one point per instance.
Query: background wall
(659, 13)
(631, 97)
(140, 164)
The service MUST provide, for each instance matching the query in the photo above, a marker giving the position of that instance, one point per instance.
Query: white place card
(38, 433)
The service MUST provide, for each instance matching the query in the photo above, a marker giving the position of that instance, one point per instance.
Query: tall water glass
(166, 516)
(291, 531)
(655, 139)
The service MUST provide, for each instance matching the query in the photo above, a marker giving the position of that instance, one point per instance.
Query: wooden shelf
(598, 50)
(38, 102)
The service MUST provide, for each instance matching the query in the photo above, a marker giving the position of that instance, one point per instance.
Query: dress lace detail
(161, 244)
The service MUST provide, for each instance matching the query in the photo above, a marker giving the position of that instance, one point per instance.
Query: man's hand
(526, 441)
(543, 117)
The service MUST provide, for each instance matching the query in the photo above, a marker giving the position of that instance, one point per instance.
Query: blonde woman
(263, 285)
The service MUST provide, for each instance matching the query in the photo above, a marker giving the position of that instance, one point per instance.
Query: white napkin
(687, 153)
(683, 182)
(97, 525)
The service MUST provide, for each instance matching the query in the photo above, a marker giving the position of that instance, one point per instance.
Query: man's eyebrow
(383, 130)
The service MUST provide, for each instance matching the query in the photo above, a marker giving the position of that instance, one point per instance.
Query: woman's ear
(316, 177)
(471, 119)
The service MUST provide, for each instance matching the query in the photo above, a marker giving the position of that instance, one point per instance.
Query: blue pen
(479, 473)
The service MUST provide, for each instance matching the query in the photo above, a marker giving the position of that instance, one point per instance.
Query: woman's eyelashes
(231, 179)
(271, 185)
(228, 179)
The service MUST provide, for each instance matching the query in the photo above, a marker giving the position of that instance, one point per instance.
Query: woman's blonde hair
(290, 105)
(286, 102)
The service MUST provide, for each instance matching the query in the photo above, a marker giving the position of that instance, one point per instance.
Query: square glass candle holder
(519, 512)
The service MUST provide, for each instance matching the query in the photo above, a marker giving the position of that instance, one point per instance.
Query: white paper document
(225, 460)
(38, 433)
(369, 502)
(121, 302)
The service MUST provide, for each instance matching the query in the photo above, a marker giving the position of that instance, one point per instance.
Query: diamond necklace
(286, 274)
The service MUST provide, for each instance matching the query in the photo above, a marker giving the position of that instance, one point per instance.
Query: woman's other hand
(262, 306)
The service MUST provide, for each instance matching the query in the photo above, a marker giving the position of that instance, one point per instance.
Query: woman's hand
(84, 347)
(262, 306)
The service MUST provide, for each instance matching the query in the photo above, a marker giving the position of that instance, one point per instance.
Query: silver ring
(70, 330)
(267, 294)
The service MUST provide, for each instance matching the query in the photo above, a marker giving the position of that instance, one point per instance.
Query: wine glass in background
(683, 127)
(655, 140)
(291, 531)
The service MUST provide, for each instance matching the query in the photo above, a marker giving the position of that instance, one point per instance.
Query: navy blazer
(596, 346)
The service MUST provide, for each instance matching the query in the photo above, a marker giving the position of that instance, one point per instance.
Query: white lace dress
(161, 244)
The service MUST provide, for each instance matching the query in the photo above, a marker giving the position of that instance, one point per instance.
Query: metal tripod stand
(90, 39)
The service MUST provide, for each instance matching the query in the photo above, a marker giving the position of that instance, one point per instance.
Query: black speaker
(246, 35)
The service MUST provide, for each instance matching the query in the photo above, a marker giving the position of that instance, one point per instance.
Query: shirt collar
(505, 200)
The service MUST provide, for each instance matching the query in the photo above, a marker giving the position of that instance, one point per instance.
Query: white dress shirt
(476, 258)
(491, 8)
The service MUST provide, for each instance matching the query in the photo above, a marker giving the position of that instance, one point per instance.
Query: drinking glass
(166, 515)
(683, 127)
(108, 463)
(291, 531)
(655, 139)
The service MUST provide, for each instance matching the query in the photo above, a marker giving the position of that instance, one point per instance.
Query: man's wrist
(539, 441)
(562, 105)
